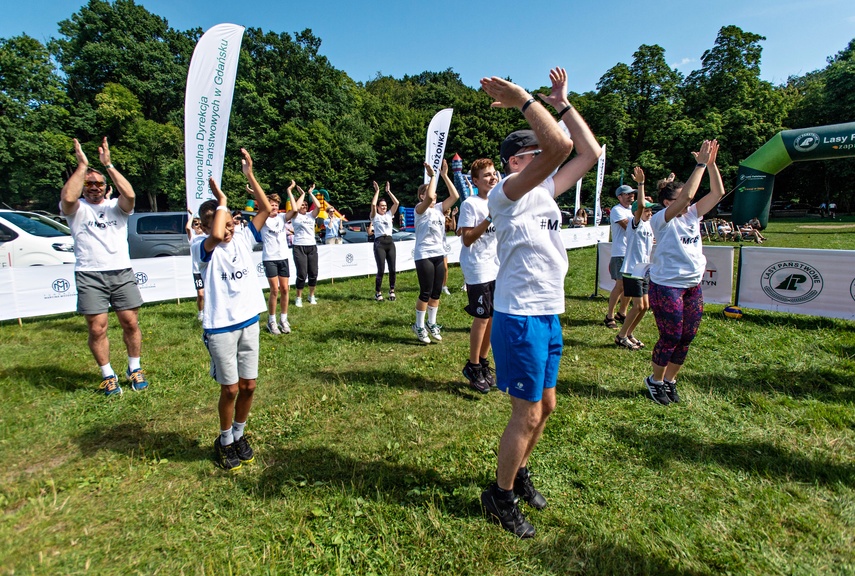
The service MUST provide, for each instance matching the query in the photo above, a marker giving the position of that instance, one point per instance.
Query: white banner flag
(601, 174)
(207, 105)
(437, 137)
(578, 196)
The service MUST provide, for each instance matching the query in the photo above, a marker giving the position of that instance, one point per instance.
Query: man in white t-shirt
(103, 271)
(480, 265)
(619, 217)
(527, 338)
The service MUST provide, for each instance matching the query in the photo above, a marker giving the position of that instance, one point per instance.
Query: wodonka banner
(601, 174)
(207, 105)
(437, 138)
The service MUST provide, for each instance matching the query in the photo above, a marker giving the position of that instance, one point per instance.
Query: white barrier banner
(717, 282)
(581, 237)
(207, 106)
(799, 280)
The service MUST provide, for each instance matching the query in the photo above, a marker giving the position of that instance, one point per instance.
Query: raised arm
(374, 200)
(687, 193)
(317, 207)
(218, 226)
(453, 194)
(395, 202)
(127, 197)
(293, 211)
(189, 227)
(717, 191)
(74, 185)
(640, 199)
(262, 204)
(430, 193)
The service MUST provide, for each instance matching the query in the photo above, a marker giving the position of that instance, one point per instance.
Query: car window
(36, 225)
(356, 227)
(7, 234)
(161, 224)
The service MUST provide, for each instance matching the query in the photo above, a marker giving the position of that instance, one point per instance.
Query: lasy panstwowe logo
(791, 282)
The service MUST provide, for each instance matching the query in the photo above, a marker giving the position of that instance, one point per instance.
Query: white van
(29, 239)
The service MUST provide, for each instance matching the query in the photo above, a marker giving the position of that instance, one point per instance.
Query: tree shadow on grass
(50, 377)
(590, 390)
(799, 322)
(287, 470)
(759, 458)
(134, 440)
(398, 378)
(822, 385)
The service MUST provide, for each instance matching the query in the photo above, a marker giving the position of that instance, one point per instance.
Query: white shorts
(234, 355)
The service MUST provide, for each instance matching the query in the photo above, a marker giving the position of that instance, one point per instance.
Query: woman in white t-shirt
(430, 253)
(274, 259)
(384, 246)
(676, 268)
(305, 248)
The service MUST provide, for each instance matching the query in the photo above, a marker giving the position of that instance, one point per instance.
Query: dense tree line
(119, 70)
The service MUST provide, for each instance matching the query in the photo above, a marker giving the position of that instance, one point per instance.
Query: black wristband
(525, 106)
(564, 111)
(700, 165)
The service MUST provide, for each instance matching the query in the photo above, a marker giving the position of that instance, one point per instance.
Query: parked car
(30, 239)
(155, 234)
(357, 232)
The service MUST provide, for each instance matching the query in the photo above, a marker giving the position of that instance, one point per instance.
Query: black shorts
(635, 287)
(276, 268)
(480, 299)
(198, 282)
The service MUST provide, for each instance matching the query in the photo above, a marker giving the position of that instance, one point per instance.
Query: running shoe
(524, 488)
(110, 385)
(392, 296)
(299, 302)
(227, 457)
(657, 391)
(285, 327)
(671, 391)
(435, 330)
(421, 334)
(475, 374)
(243, 450)
(506, 513)
(137, 379)
(445, 290)
(312, 300)
(378, 297)
(488, 372)
(273, 327)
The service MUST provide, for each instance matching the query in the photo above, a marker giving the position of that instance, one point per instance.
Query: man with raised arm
(526, 333)
(103, 271)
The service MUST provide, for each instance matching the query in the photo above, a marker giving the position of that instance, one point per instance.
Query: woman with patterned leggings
(676, 268)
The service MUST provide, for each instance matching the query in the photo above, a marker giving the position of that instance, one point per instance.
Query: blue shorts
(527, 351)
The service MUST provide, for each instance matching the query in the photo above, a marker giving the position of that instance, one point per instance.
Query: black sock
(501, 494)
(522, 472)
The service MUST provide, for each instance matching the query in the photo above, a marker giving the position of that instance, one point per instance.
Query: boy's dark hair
(669, 190)
(206, 212)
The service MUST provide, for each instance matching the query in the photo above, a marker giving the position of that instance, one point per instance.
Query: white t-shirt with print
(639, 243)
(618, 233)
(274, 239)
(232, 293)
(430, 233)
(382, 224)
(678, 260)
(479, 261)
(532, 258)
(304, 229)
(100, 234)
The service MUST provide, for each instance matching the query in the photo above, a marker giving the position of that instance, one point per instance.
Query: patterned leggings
(678, 315)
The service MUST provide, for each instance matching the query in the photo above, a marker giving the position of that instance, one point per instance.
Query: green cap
(646, 205)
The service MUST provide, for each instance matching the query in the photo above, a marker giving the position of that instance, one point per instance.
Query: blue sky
(517, 39)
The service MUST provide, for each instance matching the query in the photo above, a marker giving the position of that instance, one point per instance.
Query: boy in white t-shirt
(480, 265)
(232, 304)
(526, 335)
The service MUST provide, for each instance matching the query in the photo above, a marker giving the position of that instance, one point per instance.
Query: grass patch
(371, 450)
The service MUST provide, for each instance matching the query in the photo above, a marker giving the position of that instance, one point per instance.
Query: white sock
(431, 314)
(283, 318)
(271, 318)
(237, 430)
(420, 318)
(106, 370)
(654, 380)
(133, 363)
(227, 437)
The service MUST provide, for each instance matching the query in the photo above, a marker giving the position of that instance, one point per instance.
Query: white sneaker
(299, 303)
(445, 290)
(200, 317)
(273, 327)
(434, 330)
(285, 327)
(312, 300)
(421, 334)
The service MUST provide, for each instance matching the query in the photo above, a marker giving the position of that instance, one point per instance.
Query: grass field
(372, 451)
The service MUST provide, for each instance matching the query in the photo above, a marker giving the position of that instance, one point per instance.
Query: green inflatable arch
(756, 176)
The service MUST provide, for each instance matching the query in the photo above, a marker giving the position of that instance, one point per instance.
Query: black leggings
(431, 273)
(306, 259)
(384, 251)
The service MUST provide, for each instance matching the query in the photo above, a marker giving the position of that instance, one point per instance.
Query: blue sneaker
(138, 381)
(110, 385)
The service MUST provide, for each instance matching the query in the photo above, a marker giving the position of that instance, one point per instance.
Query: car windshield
(36, 225)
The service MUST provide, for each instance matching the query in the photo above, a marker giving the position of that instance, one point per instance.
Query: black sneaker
(475, 375)
(506, 513)
(657, 391)
(671, 391)
(243, 450)
(227, 457)
(487, 371)
(524, 488)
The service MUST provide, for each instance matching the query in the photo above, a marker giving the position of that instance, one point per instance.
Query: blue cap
(624, 189)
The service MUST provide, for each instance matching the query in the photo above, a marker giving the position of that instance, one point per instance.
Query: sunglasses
(93, 184)
(529, 153)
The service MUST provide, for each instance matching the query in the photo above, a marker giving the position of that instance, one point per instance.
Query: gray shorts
(276, 268)
(234, 354)
(98, 291)
(615, 264)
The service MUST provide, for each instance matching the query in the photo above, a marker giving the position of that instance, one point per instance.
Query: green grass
(372, 452)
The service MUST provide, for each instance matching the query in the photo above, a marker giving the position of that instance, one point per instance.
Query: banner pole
(596, 272)
(738, 276)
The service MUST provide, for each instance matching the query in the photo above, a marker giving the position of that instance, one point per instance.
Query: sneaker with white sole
(312, 300)
(299, 302)
(273, 327)
(137, 379)
(421, 334)
(110, 384)
(671, 391)
(657, 391)
(285, 327)
(435, 330)
(392, 296)
(378, 297)
(445, 290)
